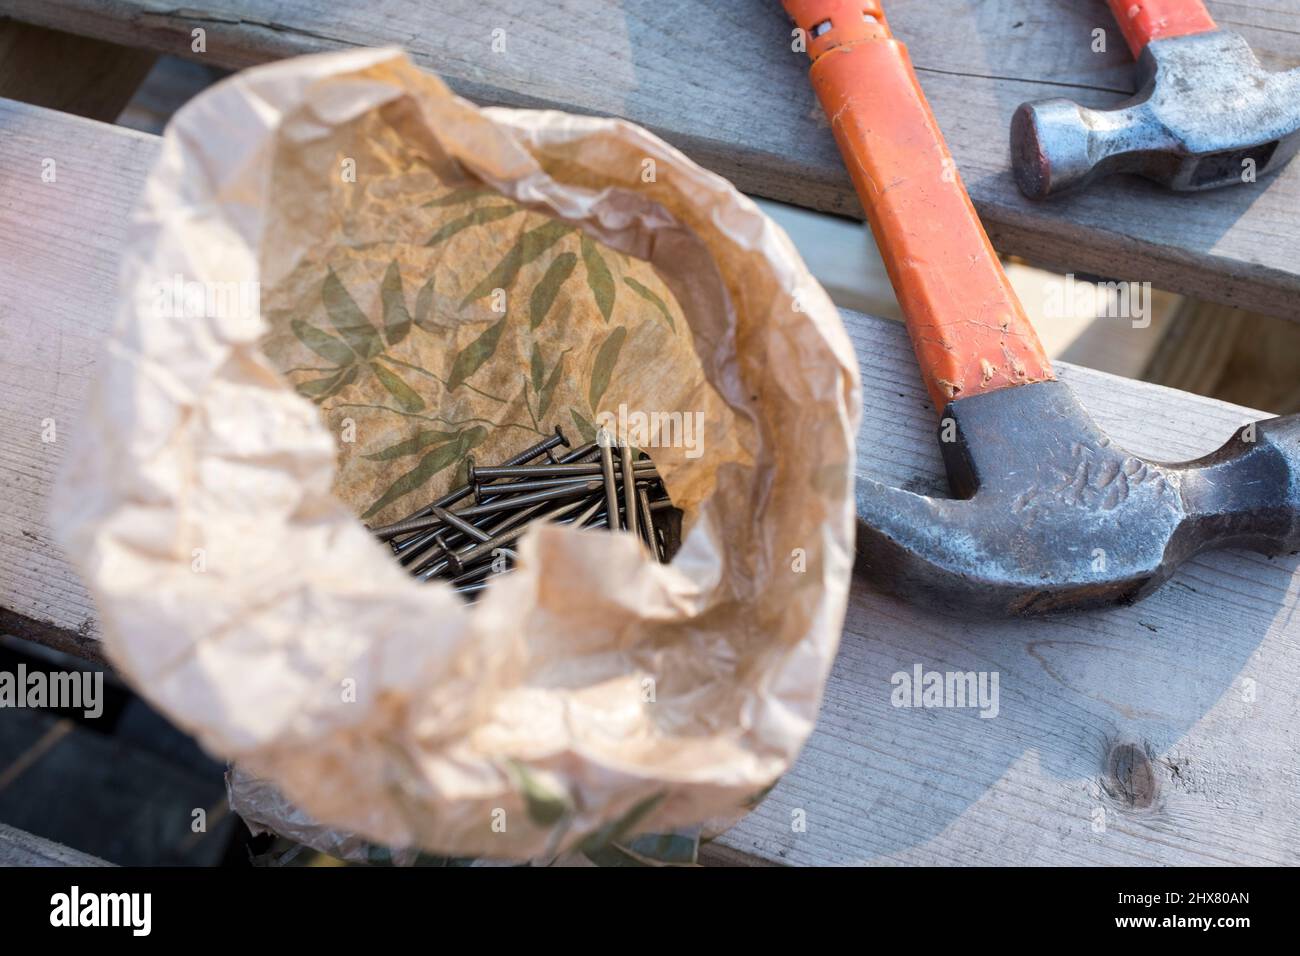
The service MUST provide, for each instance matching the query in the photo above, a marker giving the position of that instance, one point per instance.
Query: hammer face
(1206, 115)
(1056, 517)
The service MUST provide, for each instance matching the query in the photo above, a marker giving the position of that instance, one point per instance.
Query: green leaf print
(472, 356)
(653, 299)
(543, 297)
(599, 279)
(348, 320)
(603, 367)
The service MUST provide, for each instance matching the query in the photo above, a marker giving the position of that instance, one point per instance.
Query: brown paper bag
(340, 280)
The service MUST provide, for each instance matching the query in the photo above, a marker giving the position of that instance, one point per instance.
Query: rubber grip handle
(969, 331)
(1142, 21)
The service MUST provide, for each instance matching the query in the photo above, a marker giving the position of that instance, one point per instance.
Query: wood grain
(720, 81)
(1140, 714)
(1197, 681)
(59, 243)
(20, 848)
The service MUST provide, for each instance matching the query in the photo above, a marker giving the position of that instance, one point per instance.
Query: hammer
(1206, 113)
(1049, 513)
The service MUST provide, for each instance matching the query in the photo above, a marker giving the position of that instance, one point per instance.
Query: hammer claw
(1059, 518)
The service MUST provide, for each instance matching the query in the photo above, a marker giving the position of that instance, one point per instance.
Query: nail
(671, 523)
(507, 490)
(482, 570)
(629, 489)
(427, 572)
(460, 524)
(528, 454)
(647, 520)
(579, 453)
(576, 456)
(514, 534)
(644, 469)
(567, 489)
(420, 542)
(605, 441)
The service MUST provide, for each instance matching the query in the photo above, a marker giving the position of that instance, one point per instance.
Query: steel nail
(579, 453)
(453, 520)
(644, 470)
(528, 454)
(647, 519)
(507, 490)
(511, 502)
(514, 534)
(605, 441)
(426, 571)
(629, 489)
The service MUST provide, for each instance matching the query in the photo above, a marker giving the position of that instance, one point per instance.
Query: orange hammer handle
(968, 329)
(1142, 21)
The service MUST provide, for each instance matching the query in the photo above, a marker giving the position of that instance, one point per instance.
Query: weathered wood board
(1199, 679)
(720, 81)
(20, 848)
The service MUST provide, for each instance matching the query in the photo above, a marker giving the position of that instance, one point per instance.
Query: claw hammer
(1206, 113)
(1049, 513)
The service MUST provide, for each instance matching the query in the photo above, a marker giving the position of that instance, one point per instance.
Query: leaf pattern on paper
(405, 395)
(397, 321)
(544, 293)
(424, 305)
(530, 245)
(537, 368)
(424, 438)
(425, 373)
(599, 279)
(472, 356)
(585, 428)
(547, 391)
(649, 295)
(348, 320)
(435, 461)
(463, 195)
(479, 217)
(545, 807)
(322, 388)
(603, 368)
(322, 343)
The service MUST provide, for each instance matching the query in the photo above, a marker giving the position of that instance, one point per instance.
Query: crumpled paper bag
(211, 499)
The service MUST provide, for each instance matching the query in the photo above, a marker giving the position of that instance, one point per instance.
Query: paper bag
(341, 280)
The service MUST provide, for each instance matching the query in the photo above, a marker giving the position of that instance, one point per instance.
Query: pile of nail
(598, 485)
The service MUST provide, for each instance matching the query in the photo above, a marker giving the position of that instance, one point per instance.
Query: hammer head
(1205, 115)
(1052, 516)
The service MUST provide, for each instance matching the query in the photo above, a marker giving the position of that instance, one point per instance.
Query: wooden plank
(876, 784)
(720, 81)
(62, 71)
(1195, 685)
(59, 241)
(1077, 319)
(1235, 356)
(20, 848)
